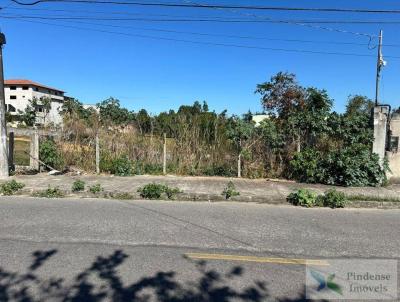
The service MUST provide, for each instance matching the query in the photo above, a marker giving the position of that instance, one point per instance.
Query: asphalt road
(107, 250)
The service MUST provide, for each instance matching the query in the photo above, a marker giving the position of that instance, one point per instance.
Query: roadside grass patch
(78, 186)
(307, 198)
(230, 191)
(11, 187)
(372, 198)
(121, 196)
(96, 189)
(157, 191)
(50, 192)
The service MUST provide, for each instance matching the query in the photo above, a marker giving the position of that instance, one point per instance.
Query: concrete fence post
(165, 155)
(97, 154)
(34, 152)
(11, 151)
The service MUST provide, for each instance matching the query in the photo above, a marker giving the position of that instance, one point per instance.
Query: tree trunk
(239, 166)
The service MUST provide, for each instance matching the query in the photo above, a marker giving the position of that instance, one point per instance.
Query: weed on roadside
(78, 186)
(230, 191)
(95, 189)
(307, 198)
(121, 196)
(50, 192)
(372, 198)
(303, 198)
(11, 187)
(156, 191)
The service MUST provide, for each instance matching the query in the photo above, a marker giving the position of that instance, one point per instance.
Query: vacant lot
(21, 146)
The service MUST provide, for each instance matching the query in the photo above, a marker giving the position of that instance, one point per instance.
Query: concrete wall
(394, 157)
(380, 132)
(23, 96)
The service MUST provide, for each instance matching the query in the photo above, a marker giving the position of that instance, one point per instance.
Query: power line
(210, 19)
(213, 6)
(251, 37)
(232, 8)
(370, 37)
(209, 43)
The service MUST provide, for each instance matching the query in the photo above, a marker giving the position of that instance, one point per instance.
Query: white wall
(24, 96)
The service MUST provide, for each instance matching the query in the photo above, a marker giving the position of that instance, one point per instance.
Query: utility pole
(3, 127)
(380, 63)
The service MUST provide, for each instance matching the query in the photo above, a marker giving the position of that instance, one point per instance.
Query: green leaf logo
(325, 284)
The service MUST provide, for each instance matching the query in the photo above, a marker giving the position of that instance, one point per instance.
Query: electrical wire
(209, 43)
(213, 6)
(215, 19)
(223, 35)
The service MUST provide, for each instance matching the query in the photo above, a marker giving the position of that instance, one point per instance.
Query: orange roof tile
(28, 82)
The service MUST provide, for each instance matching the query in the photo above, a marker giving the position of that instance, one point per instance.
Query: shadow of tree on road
(101, 282)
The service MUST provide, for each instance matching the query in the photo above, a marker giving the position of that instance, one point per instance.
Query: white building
(19, 93)
(258, 118)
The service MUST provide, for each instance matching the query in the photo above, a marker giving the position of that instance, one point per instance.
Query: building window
(25, 88)
(13, 87)
(13, 97)
(11, 108)
(36, 89)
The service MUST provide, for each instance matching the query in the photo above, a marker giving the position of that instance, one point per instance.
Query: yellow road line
(256, 259)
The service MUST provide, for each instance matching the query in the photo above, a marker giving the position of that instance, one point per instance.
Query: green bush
(142, 168)
(78, 186)
(224, 170)
(230, 191)
(11, 187)
(95, 189)
(352, 166)
(120, 166)
(50, 192)
(156, 191)
(303, 197)
(333, 199)
(49, 154)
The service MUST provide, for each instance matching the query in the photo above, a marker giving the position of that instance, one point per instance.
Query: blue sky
(159, 75)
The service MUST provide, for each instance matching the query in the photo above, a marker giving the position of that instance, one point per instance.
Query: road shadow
(102, 282)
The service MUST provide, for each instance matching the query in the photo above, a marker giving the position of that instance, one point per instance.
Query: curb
(201, 197)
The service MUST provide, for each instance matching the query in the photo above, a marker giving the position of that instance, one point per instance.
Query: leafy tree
(282, 94)
(111, 112)
(144, 121)
(358, 104)
(240, 131)
(73, 107)
(28, 116)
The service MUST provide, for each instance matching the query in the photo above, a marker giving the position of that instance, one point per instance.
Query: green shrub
(50, 192)
(156, 191)
(224, 170)
(95, 189)
(303, 197)
(305, 166)
(351, 166)
(148, 168)
(230, 191)
(49, 154)
(151, 191)
(333, 199)
(120, 166)
(171, 192)
(78, 186)
(11, 187)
